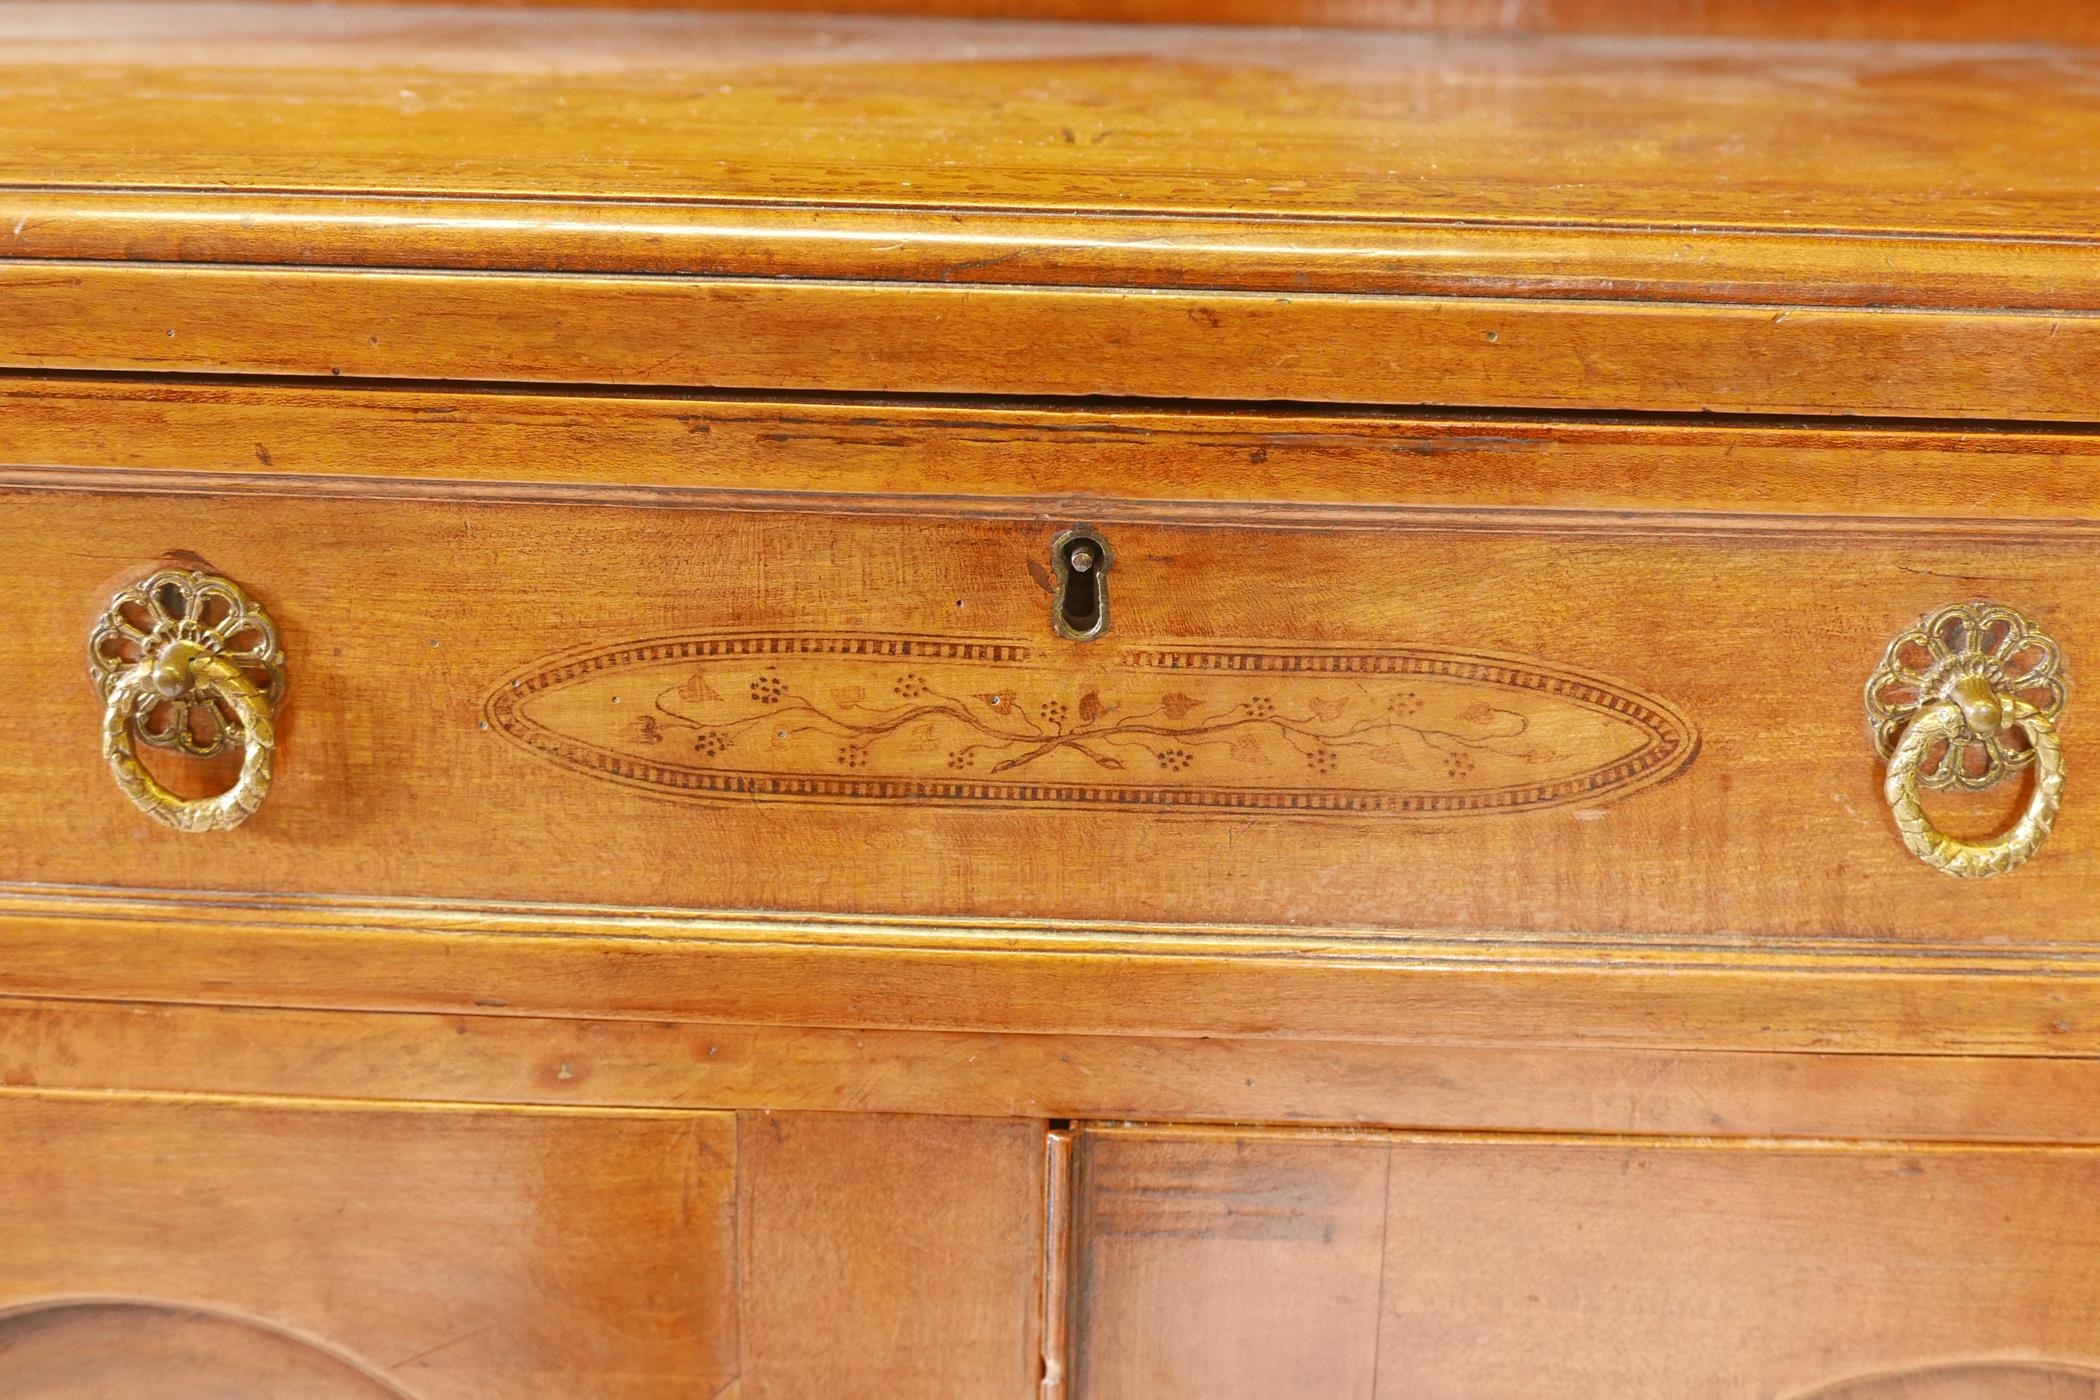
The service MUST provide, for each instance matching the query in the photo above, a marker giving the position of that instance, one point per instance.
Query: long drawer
(1335, 714)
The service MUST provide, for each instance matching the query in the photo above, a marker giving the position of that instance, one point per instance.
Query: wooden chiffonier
(784, 705)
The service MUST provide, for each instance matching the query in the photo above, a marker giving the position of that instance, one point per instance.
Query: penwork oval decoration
(791, 717)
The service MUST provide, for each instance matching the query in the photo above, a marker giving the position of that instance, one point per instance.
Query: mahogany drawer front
(1228, 1264)
(1546, 726)
(172, 1245)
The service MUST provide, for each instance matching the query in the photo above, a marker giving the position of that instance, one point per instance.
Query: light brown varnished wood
(439, 1251)
(872, 337)
(2002, 1380)
(1240, 251)
(1282, 187)
(1999, 21)
(840, 110)
(1279, 467)
(488, 1056)
(1845, 996)
(149, 1351)
(1500, 488)
(1591, 1269)
(705, 925)
(1755, 807)
(1271, 1250)
(1057, 1304)
(887, 1256)
(350, 1250)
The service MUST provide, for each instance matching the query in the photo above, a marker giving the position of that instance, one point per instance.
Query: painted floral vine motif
(1170, 731)
(839, 718)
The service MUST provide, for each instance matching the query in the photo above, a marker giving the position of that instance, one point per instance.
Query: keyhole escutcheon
(1080, 559)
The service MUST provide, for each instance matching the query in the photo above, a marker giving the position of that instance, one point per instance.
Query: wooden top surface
(1747, 172)
(832, 110)
(1988, 21)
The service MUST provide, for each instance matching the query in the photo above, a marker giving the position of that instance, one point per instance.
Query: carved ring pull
(1965, 699)
(186, 661)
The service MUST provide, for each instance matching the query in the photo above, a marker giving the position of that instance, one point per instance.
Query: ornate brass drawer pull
(188, 662)
(1966, 699)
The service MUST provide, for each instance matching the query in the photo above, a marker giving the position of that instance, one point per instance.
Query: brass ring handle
(165, 677)
(1951, 696)
(1943, 722)
(186, 661)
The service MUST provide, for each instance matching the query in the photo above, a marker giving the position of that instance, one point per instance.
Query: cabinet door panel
(163, 1248)
(445, 1252)
(1328, 1266)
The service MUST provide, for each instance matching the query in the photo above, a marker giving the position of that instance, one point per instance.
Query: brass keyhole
(1080, 559)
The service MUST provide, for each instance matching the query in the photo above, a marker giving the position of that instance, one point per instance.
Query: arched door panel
(151, 1351)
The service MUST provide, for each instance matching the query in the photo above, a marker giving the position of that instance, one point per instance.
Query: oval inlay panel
(1402, 732)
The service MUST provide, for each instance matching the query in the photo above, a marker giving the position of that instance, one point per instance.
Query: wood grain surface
(1665, 555)
(901, 338)
(885, 1256)
(980, 246)
(348, 1250)
(1568, 222)
(492, 1055)
(1277, 467)
(1272, 1251)
(864, 111)
(395, 776)
(1249, 1264)
(444, 1251)
(682, 792)
(1997, 21)
(2002, 1380)
(154, 1351)
(1021, 976)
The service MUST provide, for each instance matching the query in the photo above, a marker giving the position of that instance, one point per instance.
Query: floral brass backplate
(1405, 732)
(1993, 643)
